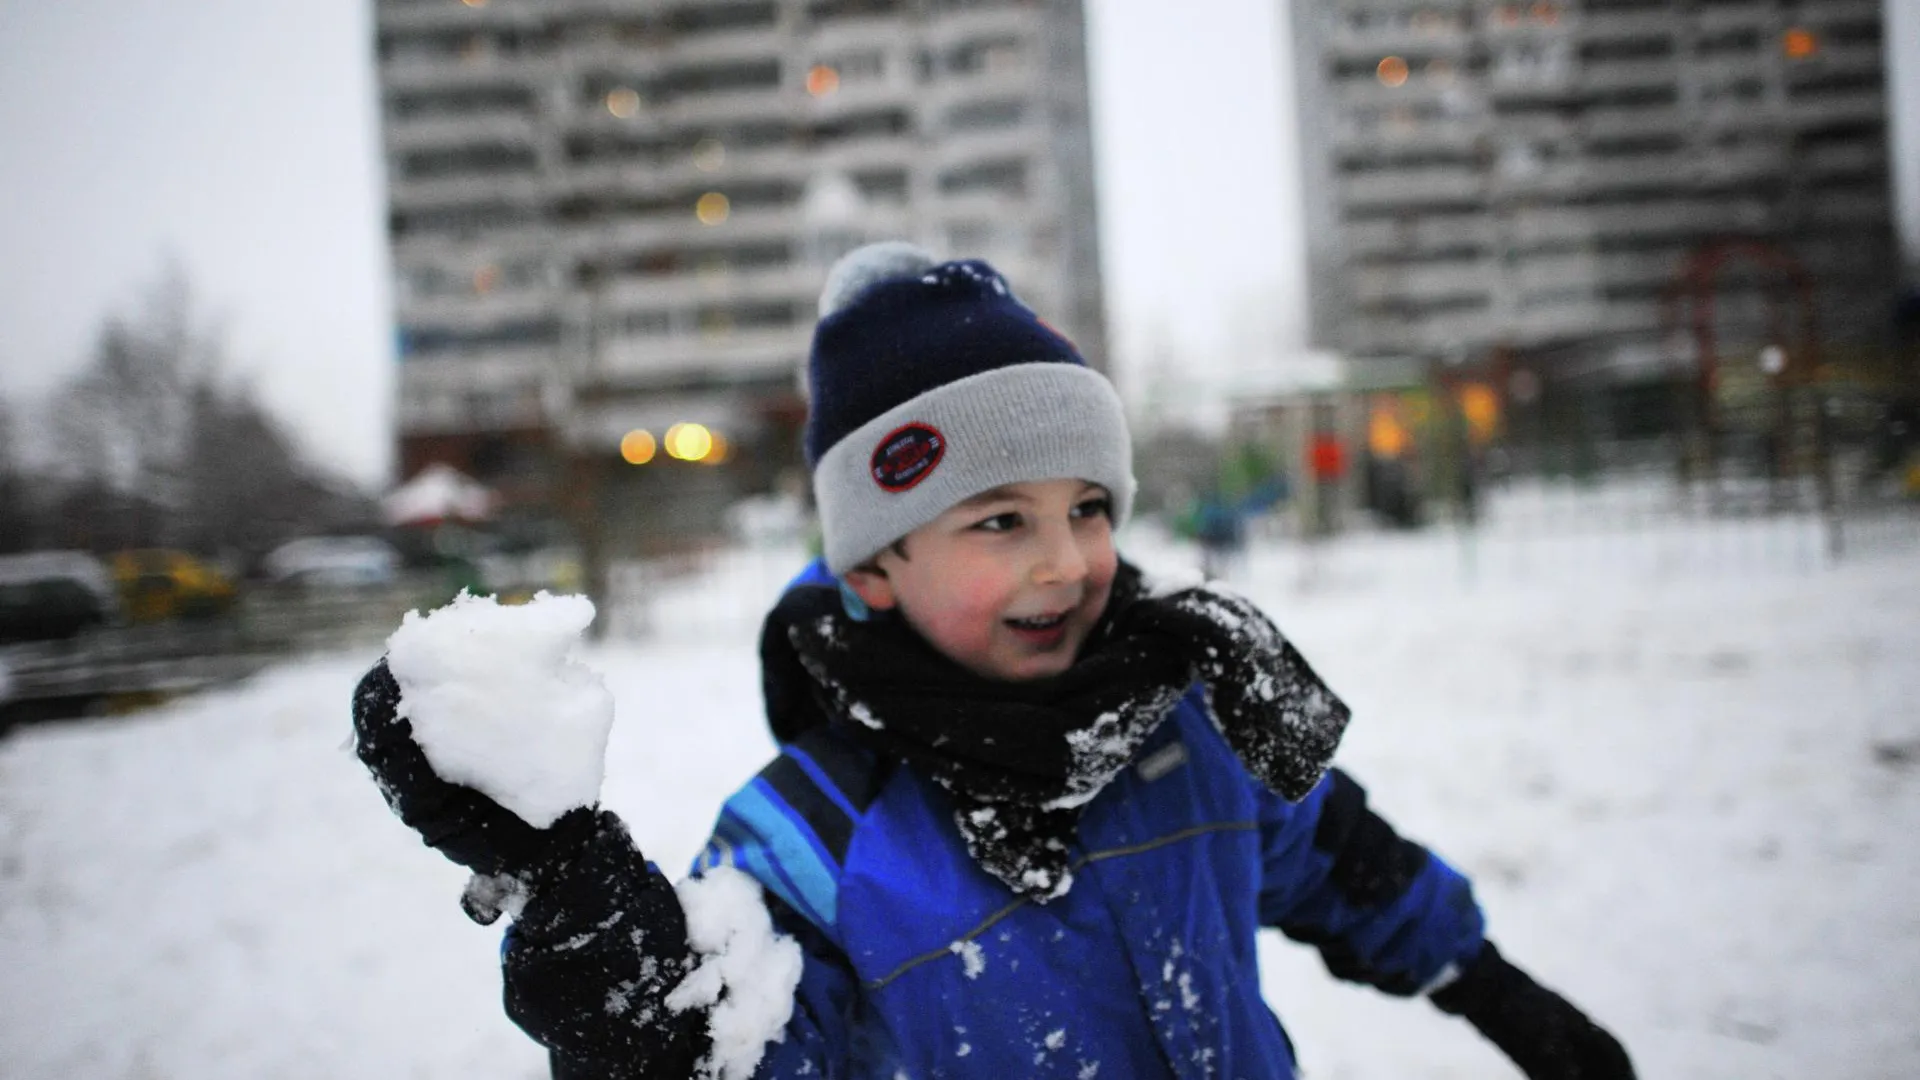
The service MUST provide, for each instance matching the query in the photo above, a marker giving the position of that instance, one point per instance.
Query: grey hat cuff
(1038, 421)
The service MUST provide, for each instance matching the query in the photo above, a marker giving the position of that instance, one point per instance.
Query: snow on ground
(1687, 787)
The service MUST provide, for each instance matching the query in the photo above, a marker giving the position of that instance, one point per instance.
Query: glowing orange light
(1481, 407)
(474, 3)
(721, 450)
(1799, 43)
(1546, 14)
(637, 446)
(623, 102)
(1392, 71)
(822, 80)
(486, 278)
(712, 208)
(1509, 16)
(1386, 436)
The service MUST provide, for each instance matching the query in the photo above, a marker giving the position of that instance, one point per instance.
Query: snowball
(742, 956)
(498, 703)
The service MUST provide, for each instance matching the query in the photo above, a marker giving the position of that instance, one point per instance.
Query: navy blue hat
(931, 383)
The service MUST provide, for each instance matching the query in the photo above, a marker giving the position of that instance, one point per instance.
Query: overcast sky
(238, 137)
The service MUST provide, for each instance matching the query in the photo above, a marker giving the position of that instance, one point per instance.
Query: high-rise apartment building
(610, 217)
(1535, 176)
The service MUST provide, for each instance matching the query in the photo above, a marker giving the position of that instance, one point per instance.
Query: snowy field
(1685, 776)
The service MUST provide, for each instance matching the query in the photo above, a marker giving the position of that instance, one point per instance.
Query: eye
(1098, 506)
(1006, 522)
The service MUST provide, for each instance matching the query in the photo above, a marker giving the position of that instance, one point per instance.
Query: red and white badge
(907, 456)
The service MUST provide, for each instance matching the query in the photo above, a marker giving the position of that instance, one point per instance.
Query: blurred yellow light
(623, 102)
(1386, 436)
(709, 154)
(486, 278)
(721, 450)
(712, 208)
(474, 3)
(1799, 43)
(822, 80)
(1481, 407)
(689, 442)
(1392, 71)
(637, 446)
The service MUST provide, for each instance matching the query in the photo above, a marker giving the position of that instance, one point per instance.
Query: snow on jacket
(921, 965)
(918, 964)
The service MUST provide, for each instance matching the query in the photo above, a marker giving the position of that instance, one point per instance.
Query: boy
(1030, 809)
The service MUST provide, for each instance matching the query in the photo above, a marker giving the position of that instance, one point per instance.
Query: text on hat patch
(907, 456)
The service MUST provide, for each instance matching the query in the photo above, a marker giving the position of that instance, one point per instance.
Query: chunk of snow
(746, 975)
(498, 703)
(973, 961)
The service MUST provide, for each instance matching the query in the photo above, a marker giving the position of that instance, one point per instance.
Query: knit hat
(930, 384)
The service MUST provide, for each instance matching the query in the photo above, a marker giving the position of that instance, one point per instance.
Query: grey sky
(238, 136)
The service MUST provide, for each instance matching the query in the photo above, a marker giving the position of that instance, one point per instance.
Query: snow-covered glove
(1280, 719)
(509, 857)
(1538, 1030)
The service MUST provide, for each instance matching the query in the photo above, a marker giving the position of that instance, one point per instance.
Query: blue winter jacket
(919, 964)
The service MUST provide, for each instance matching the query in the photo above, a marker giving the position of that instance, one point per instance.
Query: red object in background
(1326, 457)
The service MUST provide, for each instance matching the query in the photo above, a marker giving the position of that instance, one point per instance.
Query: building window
(986, 115)
(986, 177)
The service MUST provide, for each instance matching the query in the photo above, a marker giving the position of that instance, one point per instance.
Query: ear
(871, 585)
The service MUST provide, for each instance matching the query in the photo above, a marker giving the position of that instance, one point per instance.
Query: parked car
(51, 595)
(158, 583)
(333, 561)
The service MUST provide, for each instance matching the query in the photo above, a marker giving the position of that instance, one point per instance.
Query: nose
(1061, 562)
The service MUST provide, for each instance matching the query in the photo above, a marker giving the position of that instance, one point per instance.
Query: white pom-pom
(864, 266)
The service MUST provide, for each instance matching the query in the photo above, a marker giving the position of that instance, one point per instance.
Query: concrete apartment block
(615, 215)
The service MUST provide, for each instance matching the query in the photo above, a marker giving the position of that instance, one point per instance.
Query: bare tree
(156, 443)
(121, 422)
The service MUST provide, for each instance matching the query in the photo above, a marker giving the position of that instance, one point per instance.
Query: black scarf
(1021, 759)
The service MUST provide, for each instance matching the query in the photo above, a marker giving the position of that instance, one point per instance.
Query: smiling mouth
(1039, 623)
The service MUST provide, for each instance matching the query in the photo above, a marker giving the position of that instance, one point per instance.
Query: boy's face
(1009, 583)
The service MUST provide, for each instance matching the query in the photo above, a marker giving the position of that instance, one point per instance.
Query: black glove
(1537, 1029)
(506, 854)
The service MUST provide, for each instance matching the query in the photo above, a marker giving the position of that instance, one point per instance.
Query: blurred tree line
(156, 443)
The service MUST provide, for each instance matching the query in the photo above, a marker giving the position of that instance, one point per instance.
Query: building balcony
(1806, 110)
(797, 282)
(1553, 271)
(1864, 157)
(1542, 226)
(952, 28)
(1607, 75)
(734, 356)
(1618, 25)
(518, 189)
(1613, 122)
(1683, 217)
(1345, 42)
(473, 311)
(1423, 282)
(452, 72)
(1419, 235)
(423, 132)
(734, 44)
(428, 15)
(1352, 136)
(1414, 187)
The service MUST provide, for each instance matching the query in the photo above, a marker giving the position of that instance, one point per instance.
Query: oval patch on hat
(907, 456)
